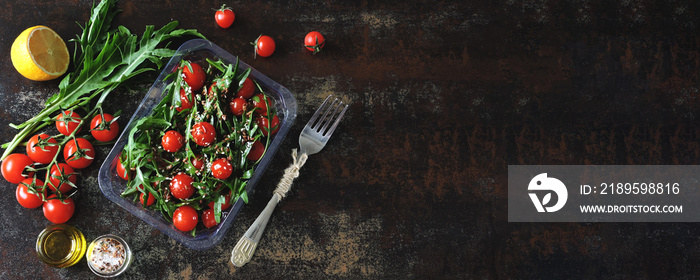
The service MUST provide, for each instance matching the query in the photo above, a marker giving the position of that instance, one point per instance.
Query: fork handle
(244, 249)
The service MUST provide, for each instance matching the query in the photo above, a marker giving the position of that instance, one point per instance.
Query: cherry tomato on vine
(185, 218)
(314, 41)
(237, 106)
(194, 78)
(104, 130)
(150, 201)
(181, 186)
(221, 169)
(247, 89)
(30, 199)
(185, 102)
(42, 148)
(269, 126)
(14, 168)
(224, 16)
(79, 153)
(172, 141)
(208, 218)
(57, 211)
(260, 103)
(256, 151)
(67, 122)
(62, 176)
(264, 45)
(203, 134)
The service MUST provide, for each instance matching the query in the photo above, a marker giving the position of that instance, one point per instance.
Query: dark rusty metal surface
(444, 96)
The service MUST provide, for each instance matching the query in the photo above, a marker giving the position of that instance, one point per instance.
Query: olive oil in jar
(60, 245)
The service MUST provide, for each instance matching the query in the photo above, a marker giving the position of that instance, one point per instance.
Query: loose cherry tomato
(29, 199)
(237, 106)
(314, 41)
(172, 141)
(194, 78)
(247, 89)
(203, 134)
(151, 199)
(224, 205)
(208, 218)
(79, 153)
(264, 46)
(259, 101)
(57, 211)
(185, 102)
(42, 148)
(198, 162)
(62, 176)
(181, 186)
(256, 151)
(14, 168)
(185, 218)
(104, 130)
(224, 17)
(267, 125)
(67, 122)
(221, 169)
(121, 170)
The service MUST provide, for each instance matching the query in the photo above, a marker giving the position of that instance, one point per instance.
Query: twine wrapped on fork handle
(291, 173)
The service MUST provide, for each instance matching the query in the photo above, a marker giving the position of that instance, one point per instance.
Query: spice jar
(60, 245)
(108, 256)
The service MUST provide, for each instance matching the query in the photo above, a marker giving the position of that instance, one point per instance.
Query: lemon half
(40, 54)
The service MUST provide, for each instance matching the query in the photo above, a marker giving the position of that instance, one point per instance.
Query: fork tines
(332, 113)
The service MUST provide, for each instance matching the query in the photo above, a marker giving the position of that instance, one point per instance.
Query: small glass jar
(60, 245)
(108, 256)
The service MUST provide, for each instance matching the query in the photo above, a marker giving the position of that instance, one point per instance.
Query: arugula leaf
(107, 60)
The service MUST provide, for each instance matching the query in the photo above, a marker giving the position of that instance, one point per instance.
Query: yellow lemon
(40, 54)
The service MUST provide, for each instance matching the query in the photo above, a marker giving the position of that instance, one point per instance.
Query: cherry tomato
(62, 175)
(42, 148)
(264, 46)
(151, 199)
(221, 169)
(121, 170)
(224, 17)
(203, 134)
(185, 218)
(185, 102)
(30, 199)
(314, 41)
(256, 151)
(14, 168)
(198, 162)
(104, 132)
(259, 101)
(181, 186)
(225, 205)
(67, 122)
(172, 141)
(79, 153)
(57, 211)
(237, 106)
(208, 218)
(267, 125)
(247, 89)
(194, 78)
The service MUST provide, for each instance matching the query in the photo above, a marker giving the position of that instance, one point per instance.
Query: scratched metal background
(445, 94)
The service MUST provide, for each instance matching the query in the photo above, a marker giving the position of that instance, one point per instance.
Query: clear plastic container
(112, 185)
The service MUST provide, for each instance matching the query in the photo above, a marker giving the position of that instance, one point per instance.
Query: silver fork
(313, 138)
